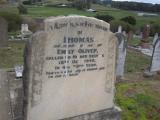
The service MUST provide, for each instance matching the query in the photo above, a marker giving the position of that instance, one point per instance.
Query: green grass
(8, 8)
(37, 11)
(134, 42)
(136, 62)
(137, 101)
(52, 11)
(43, 11)
(139, 97)
(57, 1)
(12, 55)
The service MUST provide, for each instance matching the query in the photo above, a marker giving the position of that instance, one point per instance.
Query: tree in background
(81, 4)
(88, 4)
(155, 28)
(129, 19)
(22, 9)
(106, 18)
(126, 26)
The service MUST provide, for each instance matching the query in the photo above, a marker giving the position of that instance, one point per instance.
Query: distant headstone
(24, 28)
(3, 32)
(124, 33)
(145, 33)
(121, 54)
(155, 63)
(130, 35)
(119, 29)
(155, 38)
(25, 32)
(70, 70)
(18, 71)
(145, 37)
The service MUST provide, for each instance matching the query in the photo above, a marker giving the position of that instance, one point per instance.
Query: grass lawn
(42, 11)
(8, 8)
(34, 11)
(136, 62)
(11, 55)
(138, 97)
(139, 100)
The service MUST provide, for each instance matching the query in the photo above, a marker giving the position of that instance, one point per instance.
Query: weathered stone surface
(5, 108)
(155, 39)
(16, 95)
(121, 54)
(3, 32)
(155, 63)
(69, 69)
(119, 29)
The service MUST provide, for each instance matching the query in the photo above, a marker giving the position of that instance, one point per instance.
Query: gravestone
(130, 35)
(24, 28)
(18, 70)
(145, 33)
(121, 54)
(155, 63)
(145, 37)
(3, 32)
(155, 38)
(124, 33)
(25, 32)
(119, 29)
(69, 71)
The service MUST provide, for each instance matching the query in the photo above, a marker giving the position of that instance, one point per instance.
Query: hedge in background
(129, 19)
(125, 26)
(106, 18)
(14, 20)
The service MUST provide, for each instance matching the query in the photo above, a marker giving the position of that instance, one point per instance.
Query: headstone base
(107, 114)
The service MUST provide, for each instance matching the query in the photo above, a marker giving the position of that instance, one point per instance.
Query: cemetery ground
(138, 97)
